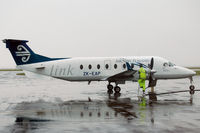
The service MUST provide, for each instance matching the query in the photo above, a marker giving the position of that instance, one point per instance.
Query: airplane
(115, 70)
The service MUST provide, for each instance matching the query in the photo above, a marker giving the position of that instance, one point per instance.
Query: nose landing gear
(192, 87)
(192, 91)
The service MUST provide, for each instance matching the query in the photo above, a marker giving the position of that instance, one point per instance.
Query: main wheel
(110, 87)
(117, 89)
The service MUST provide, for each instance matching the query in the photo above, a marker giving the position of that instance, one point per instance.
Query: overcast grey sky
(82, 28)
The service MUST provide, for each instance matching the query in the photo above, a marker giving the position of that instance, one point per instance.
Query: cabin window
(81, 67)
(115, 66)
(124, 66)
(90, 66)
(98, 66)
(107, 66)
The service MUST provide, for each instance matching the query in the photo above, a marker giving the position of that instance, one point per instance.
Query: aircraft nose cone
(189, 72)
(192, 73)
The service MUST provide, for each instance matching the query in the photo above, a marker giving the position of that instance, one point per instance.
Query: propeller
(151, 63)
(152, 81)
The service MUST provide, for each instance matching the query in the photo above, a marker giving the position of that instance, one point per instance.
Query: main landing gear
(110, 87)
(192, 91)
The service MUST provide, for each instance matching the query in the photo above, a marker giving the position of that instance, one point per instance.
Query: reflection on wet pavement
(97, 110)
(35, 115)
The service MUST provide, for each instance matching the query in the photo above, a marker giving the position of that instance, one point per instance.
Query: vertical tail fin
(22, 54)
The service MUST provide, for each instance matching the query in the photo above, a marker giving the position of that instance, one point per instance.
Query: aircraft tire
(110, 87)
(192, 87)
(117, 89)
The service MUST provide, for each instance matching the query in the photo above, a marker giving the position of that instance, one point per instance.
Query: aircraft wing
(128, 74)
(122, 76)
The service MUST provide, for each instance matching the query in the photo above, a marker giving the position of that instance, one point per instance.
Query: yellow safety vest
(142, 73)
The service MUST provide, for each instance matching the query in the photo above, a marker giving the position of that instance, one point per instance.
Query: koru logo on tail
(23, 52)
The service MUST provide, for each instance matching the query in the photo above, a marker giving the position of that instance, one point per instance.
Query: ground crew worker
(142, 78)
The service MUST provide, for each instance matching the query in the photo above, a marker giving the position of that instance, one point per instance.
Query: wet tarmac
(38, 104)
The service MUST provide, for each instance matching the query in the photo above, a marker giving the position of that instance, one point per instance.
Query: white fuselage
(101, 68)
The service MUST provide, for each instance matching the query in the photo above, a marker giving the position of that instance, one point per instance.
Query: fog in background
(88, 28)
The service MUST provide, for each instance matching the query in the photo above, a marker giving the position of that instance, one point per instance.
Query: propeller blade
(151, 81)
(152, 63)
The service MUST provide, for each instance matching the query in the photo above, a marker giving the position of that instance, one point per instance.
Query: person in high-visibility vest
(142, 78)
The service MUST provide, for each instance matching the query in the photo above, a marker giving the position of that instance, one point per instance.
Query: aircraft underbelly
(74, 78)
(170, 76)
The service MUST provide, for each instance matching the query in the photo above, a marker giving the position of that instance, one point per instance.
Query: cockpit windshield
(171, 64)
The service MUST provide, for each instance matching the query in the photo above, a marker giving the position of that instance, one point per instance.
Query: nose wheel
(192, 87)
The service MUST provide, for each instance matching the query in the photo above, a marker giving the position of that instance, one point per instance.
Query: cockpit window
(168, 64)
(165, 64)
(171, 64)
